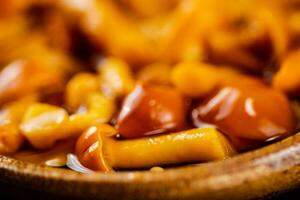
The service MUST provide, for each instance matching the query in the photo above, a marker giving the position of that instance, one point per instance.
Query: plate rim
(258, 173)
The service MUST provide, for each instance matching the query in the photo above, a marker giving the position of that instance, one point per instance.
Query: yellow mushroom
(116, 77)
(79, 87)
(157, 73)
(97, 150)
(287, 78)
(195, 79)
(97, 109)
(122, 38)
(11, 139)
(42, 124)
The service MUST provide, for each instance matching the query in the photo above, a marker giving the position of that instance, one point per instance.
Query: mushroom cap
(90, 147)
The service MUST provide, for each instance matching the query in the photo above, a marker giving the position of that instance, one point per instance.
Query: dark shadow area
(8, 191)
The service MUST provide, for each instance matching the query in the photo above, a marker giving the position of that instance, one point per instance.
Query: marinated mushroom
(146, 84)
(287, 78)
(11, 138)
(116, 77)
(22, 78)
(79, 87)
(150, 110)
(42, 123)
(194, 79)
(97, 150)
(241, 111)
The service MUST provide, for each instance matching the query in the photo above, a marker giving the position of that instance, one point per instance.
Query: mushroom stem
(196, 145)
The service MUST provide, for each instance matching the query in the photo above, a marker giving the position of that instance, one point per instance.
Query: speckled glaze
(264, 172)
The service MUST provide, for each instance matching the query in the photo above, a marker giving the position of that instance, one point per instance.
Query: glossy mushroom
(150, 110)
(97, 150)
(249, 111)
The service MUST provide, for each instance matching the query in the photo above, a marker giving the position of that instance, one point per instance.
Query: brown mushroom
(22, 78)
(247, 110)
(150, 110)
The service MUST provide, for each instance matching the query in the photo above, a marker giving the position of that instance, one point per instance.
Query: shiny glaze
(247, 112)
(150, 110)
(97, 151)
(23, 78)
(89, 147)
(54, 157)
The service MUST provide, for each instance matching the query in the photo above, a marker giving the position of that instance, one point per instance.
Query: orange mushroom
(97, 150)
(248, 111)
(150, 110)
